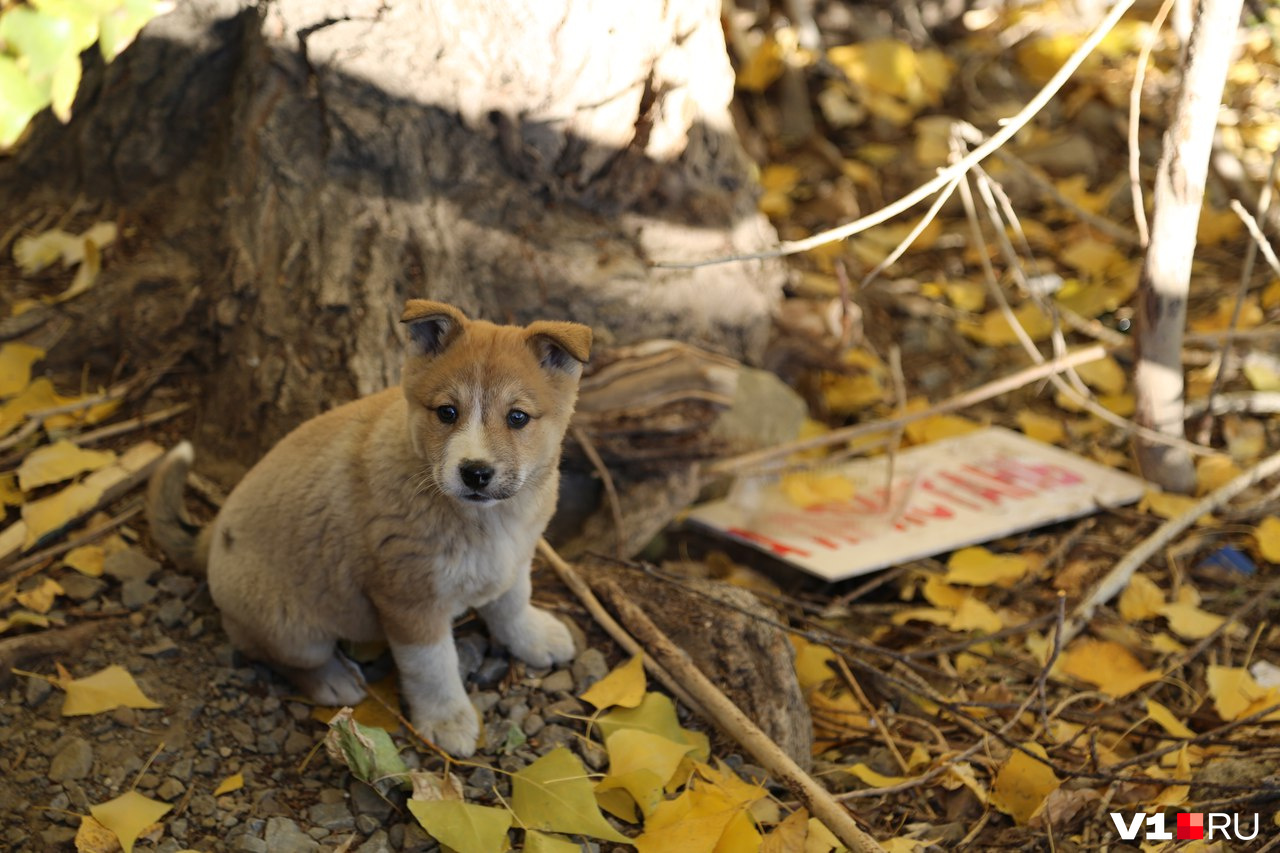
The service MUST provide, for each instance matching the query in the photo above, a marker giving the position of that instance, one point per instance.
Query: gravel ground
(222, 715)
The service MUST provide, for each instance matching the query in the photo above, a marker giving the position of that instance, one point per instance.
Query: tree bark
(1166, 272)
(289, 172)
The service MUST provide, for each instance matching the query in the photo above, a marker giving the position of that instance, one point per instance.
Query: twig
(570, 578)
(995, 388)
(1251, 402)
(610, 491)
(16, 650)
(1135, 118)
(730, 718)
(1008, 129)
(1118, 578)
(1268, 253)
(85, 538)
(914, 233)
(1114, 230)
(130, 425)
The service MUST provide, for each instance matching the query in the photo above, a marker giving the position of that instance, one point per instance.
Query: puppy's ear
(559, 346)
(432, 325)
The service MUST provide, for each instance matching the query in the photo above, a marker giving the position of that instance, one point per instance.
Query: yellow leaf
(1213, 472)
(20, 618)
(624, 686)
(941, 594)
(105, 690)
(874, 779)
(1107, 665)
(820, 839)
(1041, 427)
(128, 815)
(739, 836)
(730, 785)
(1170, 505)
(789, 835)
(618, 803)
(693, 822)
(938, 427)
(780, 177)
(60, 461)
(1267, 535)
(1023, 783)
(15, 367)
(10, 494)
(762, 67)
(56, 511)
(806, 488)
(836, 719)
(1217, 226)
(1236, 694)
(977, 566)
(1250, 316)
(1167, 721)
(1271, 295)
(35, 397)
(1190, 622)
(538, 842)
(848, 394)
(1141, 599)
(87, 560)
(233, 782)
(641, 763)
(1091, 299)
(370, 711)
(1093, 258)
(40, 599)
(812, 662)
(93, 837)
(33, 253)
(465, 827)
(993, 330)
(656, 713)
(966, 295)
(1263, 373)
(973, 615)
(555, 793)
(1105, 375)
(1042, 56)
(1166, 644)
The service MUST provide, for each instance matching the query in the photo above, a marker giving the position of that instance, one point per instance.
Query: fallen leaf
(820, 839)
(848, 394)
(59, 461)
(1022, 784)
(693, 822)
(1213, 472)
(1267, 535)
(762, 67)
(812, 662)
(1170, 505)
(20, 618)
(464, 827)
(128, 815)
(1107, 665)
(234, 782)
(992, 328)
(40, 599)
(624, 686)
(109, 688)
(656, 714)
(938, 427)
(1236, 694)
(872, 778)
(1164, 718)
(1093, 258)
(87, 560)
(555, 793)
(1189, 622)
(1141, 599)
(538, 842)
(93, 837)
(35, 397)
(1104, 375)
(836, 719)
(370, 711)
(974, 615)
(739, 836)
(15, 367)
(641, 763)
(369, 751)
(58, 510)
(10, 494)
(1261, 369)
(788, 836)
(977, 566)
(1041, 427)
(35, 252)
(807, 489)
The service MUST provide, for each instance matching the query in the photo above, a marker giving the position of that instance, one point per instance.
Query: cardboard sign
(945, 495)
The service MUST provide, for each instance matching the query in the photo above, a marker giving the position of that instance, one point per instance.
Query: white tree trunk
(1166, 271)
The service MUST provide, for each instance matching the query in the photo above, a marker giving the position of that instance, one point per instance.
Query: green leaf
(41, 41)
(655, 714)
(119, 28)
(555, 793)
(537, 842)
(20, 100)
(66, 80)
(462, 826)
(368, 751)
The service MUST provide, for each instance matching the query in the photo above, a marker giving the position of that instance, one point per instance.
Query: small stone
(241, 731)
(283, 836)
(73, 761)
(593, 754)
(250, 844)
(377, 843)
(137, 593)
(78, 587)
(556, 735)
(170, 789)
(196, 628)
(560, 681)
(589, 668)
(471, 648)
(36, 691)
(532, 725)
(367, 801)
(181, 770)
(124, 717)
(491, 672)
(367, 824)
(202, 805)
(319, 833)
(171, 613)
(129, 565)
(483, 778)
(297, 742)
(57, 837)
(484, 701)
(59, 806)
(567, 707)
(331, 815)
(416, 840)
(179, 586)
(163, 647)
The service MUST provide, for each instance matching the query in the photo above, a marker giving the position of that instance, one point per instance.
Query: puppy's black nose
(475, 474)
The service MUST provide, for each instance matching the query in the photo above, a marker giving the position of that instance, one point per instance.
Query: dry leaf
(993, 330)
(1236, 694)
(539, 842)
(1141, 599)
(1104, 375)
(1041, 427)
(812, 662)
(40, 599)
(641, 763)
(788, 836)
(1169, 505)
(1213, 472)
(10, 494)
(624, 686)
(128, 815)
(60, 461)
(1022, 784)
(1109, 666)
(872, 778)
(938, 427)
(1267, 535)
(93, 837)
(105, 690)
(463, 827)
(807, 489)
(233, 782)
(46, 515)
(87, 560)
(555, 794)
(1190, 622)
(977, 566)
(22, 618)
(15, 367)
(1167, 721)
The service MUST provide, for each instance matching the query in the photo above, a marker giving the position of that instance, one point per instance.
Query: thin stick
(915, 232)
(130, 425)
(1268, 253)
(85, 538)
(973, 396)
(730, 718)
(570, 578)
(1118, 578)
(1008, 129)
(610, 491)
(1135, 118)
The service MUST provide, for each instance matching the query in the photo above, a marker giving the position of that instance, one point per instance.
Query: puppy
(387, 517)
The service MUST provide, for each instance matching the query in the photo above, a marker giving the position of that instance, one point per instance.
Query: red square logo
(1190, 826)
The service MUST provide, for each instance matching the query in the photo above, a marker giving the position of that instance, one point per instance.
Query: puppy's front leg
(531, 634)
(429, 681)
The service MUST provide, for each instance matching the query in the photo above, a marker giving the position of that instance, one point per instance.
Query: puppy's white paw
(541, 639)
(334, 683)
(454, 727)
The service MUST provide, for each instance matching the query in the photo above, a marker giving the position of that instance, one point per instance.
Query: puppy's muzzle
(475, 474)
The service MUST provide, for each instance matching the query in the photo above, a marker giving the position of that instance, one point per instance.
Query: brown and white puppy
(389, 516)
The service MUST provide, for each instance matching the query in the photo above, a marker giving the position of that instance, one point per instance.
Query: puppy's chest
(484, 565)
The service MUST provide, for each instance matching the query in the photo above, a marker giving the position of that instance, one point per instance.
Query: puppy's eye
(517, 419)
(446, 414)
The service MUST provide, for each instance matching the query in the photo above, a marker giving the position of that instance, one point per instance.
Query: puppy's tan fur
(371, 521)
